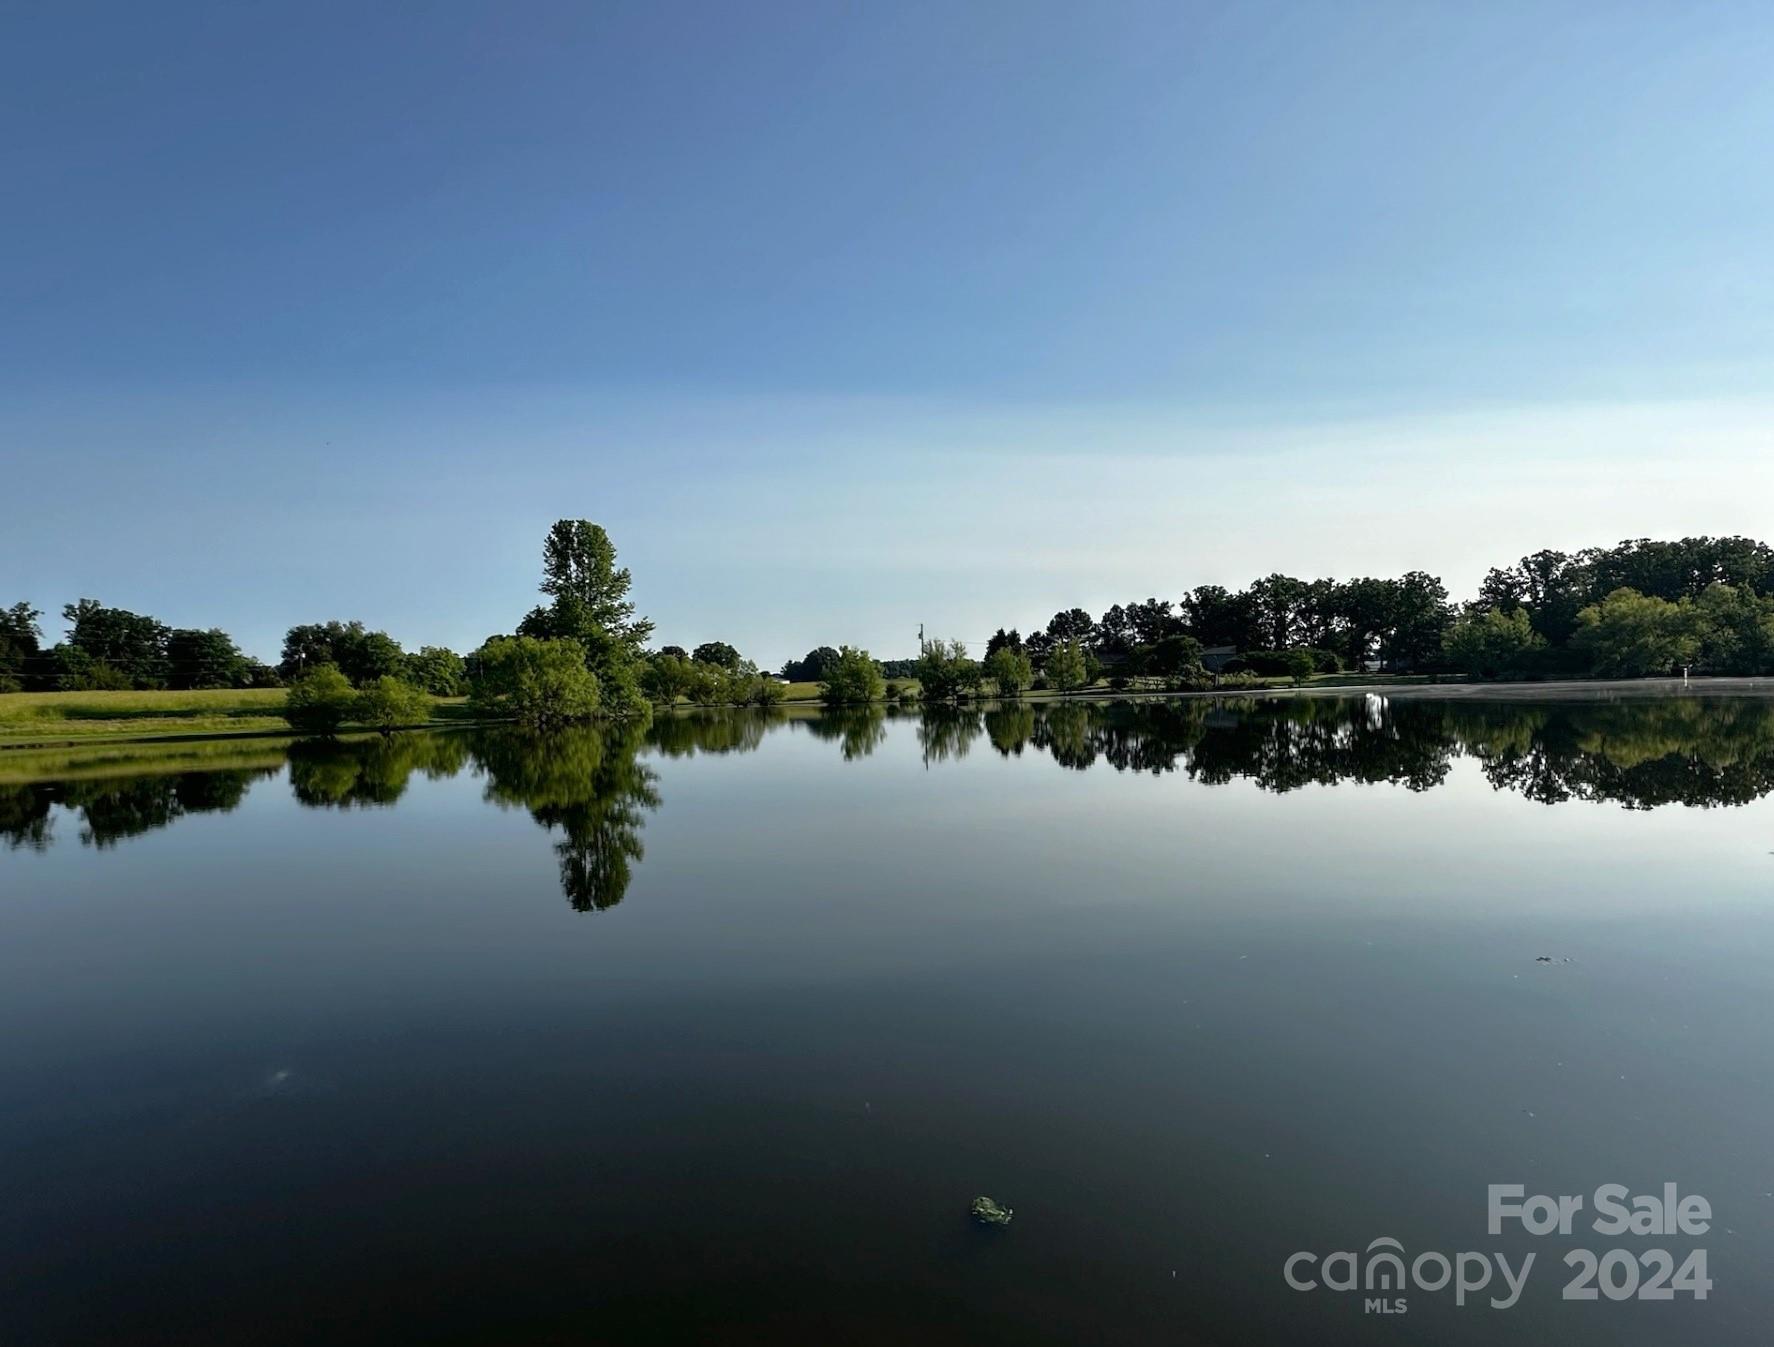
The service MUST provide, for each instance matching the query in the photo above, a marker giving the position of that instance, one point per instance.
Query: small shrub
(945, 671)
(102, 677)
(319, 701)
(387, 703)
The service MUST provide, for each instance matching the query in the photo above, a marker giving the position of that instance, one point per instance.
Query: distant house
(1215, 657)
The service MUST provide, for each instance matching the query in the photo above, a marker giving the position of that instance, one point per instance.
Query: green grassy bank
(65, 717)
(47, 719)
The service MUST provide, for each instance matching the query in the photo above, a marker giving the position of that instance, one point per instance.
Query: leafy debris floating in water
(988, 1212)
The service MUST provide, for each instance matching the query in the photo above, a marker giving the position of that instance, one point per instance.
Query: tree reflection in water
(594, 786)
(114, 808)
(588, 782)
(330, 774)
(857, 730)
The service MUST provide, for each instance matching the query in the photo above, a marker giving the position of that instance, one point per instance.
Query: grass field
(57, 717)
(65, 715)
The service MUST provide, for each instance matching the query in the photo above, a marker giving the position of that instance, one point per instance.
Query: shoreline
(1590, 689)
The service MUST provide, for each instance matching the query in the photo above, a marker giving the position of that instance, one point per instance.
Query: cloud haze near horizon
(778, 525)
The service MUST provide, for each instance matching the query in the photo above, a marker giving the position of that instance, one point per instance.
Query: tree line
(113, 649)
(1641, 607)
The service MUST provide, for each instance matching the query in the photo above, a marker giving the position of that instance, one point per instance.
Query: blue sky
(845, 318)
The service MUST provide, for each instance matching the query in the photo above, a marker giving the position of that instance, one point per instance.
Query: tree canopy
(1065, 667)
(536, 681)
(319, 700)
(945, 671)
(853, 677)
(590, 605)
(1009, 670)
(350, 647)
(813, 667)
(717, 653)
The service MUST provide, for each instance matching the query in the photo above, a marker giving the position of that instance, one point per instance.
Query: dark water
(710, 1032)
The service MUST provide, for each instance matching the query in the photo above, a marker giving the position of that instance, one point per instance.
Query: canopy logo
(1382, 1268)
(1381, 1272)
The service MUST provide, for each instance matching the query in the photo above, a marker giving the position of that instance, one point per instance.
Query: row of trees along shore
(1643, 607)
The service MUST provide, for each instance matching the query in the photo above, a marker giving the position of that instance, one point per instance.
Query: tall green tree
(717, 652)
(1065, 667)
(590, 605)
(1277, 602)
(133, 645)
(20, 641)
(1152, 620)
(1009, 671)
(581, 577)
(1417, 616)
(1550, 586)
(817, 663)
(1113, 633)
(1217, 616)
(1364, 610)
(1004, 640)
(204, 659)
(1071, 624)
(358, 653)
(1492, 643)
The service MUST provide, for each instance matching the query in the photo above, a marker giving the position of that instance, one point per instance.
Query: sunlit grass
(33, 717)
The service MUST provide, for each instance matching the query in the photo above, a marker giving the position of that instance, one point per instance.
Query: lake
(711, 1031)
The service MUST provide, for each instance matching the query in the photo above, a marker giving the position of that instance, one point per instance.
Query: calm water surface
(710, 1032)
